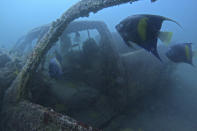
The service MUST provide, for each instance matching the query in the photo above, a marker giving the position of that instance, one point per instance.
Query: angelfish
(144, 30)
(181, 53)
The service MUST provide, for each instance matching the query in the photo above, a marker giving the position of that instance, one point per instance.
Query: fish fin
(174, 22)
(165, 37)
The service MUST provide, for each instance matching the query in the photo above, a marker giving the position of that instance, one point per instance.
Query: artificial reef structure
(24, 104)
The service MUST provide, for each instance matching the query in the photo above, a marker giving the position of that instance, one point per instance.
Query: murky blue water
(153, 103)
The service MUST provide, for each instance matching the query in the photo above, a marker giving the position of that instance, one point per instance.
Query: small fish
(55, 69)
(181, 53)
(144, 30)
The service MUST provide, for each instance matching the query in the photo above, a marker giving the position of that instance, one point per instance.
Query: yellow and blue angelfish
(181, 53)
(144, 30)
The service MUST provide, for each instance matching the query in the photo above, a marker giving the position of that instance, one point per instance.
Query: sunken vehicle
(95, 76)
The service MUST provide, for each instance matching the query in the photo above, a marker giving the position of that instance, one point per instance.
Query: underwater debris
(25, 44)
(18, 91)
(9, 69)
